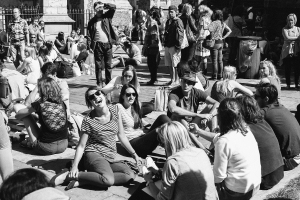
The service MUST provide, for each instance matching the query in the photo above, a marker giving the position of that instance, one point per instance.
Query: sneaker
(151, 166)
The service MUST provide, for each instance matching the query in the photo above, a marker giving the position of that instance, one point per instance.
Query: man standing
(101, 37)
(173, 39)
(18, 33)
(283, 123)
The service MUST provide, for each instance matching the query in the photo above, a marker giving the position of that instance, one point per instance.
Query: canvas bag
(161, 99)
(185, 42)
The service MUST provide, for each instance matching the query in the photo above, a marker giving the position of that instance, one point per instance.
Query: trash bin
(248, 57)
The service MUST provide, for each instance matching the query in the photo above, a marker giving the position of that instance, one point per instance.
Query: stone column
(56, 18)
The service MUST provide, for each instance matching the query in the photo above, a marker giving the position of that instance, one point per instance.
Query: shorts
(171, 57)
(51, 148)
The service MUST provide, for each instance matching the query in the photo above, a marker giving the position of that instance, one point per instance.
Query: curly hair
(49, 90)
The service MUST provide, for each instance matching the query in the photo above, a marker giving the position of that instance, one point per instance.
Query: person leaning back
(18, 33)
(101, 37)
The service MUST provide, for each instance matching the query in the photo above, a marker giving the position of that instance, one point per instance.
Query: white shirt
(237, 161)
(100, 34)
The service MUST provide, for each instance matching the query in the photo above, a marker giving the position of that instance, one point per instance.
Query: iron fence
(81, 18)
(27, 13)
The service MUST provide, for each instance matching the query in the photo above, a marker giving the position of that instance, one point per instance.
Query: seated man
(60, 43)
(283, 123)
(184, 101)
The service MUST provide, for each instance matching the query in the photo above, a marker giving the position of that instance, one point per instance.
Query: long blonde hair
(31, 51)
(229, 73)
(175, 137)
(272, 70)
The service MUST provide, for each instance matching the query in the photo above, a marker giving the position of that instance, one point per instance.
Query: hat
(172, 7)
(190, 76)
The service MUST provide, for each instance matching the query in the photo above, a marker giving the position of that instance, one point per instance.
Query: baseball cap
(190, 76)
(172, 7)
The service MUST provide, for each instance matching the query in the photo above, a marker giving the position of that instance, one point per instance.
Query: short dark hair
(49, 45)
(182, 68)
(43, 50)
(230, 116)
(86, 96)
(48, 68)
(23, 182)
(97, 3)
(268, 90)
(250, 109)
(35, 18)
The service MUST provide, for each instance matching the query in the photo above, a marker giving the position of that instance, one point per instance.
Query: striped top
(102, 137)
(128, 123)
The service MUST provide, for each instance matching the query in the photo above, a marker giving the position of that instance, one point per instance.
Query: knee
(108, 180)
(163, 119)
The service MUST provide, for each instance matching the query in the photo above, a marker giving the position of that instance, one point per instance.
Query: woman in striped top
(130, 114)
(97, 147)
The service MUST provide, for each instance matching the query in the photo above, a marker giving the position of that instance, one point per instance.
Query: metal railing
(27, 13)
(81, 18)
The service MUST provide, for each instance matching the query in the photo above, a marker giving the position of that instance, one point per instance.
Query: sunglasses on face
(93, 96)
(189, 82)
(130, 94)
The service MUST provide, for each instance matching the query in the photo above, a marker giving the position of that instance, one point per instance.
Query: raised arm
(243, 89)
(111, 10)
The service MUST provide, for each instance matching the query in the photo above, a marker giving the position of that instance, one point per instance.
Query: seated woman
(97, 147)
(115, 85)
(60, 43)
(52, 50)
(6, 159)
(237, 168)
(44, 56)
(270, 155)
(268, 74)
(30, 68)
(29, 183)
(187, 173)
(52, 136)
(129, 109)
(226, 88)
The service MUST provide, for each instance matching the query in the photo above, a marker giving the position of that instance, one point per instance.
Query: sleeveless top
(218, 96)
(102, 137)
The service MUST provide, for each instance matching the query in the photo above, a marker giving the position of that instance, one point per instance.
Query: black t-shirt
(53, 120)
(285, 127)
(189, 103)
(270, 155)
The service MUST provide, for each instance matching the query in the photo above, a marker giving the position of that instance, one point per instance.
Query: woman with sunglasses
(226, 87)
(97, 147)
(129, 109)
(114, 86)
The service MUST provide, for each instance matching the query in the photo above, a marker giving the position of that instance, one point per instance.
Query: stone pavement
(78, 86)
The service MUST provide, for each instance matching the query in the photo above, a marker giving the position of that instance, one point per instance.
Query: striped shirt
(102, 137)
(128, 123)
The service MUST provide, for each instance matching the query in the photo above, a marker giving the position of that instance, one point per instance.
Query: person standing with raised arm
(101, 36)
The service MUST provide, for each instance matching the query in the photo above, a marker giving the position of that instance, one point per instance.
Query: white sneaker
(151, 165)
(8, 60)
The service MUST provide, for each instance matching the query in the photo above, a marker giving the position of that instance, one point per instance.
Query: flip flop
(70, 185)
(52, 181)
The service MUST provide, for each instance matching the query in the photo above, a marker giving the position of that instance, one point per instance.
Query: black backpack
(64, 69)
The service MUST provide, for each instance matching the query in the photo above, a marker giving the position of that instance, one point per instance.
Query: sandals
(26, 144)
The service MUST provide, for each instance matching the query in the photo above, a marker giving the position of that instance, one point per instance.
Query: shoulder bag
(189, 34)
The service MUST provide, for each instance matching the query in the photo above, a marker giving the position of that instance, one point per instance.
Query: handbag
(185, 42)
(161, 99)
(189, 34)
(64, 69)
(208, 43)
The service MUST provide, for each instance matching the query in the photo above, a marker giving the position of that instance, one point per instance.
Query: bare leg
(32, 128)
(175, 76)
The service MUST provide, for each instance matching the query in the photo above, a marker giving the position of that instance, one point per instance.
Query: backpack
(64, 69)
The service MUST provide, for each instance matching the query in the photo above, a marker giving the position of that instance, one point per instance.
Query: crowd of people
(253, 138)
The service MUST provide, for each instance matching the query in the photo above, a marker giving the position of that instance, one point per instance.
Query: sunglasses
(130, 94)
(92, 96)
(189, 82)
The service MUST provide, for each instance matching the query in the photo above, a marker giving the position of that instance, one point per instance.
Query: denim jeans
(290, 62)
(103, 57)
(217, 60)
(17, 52)
(153, 62)
(50, 148)
(188, 53)
(102, 173)
(145, 144)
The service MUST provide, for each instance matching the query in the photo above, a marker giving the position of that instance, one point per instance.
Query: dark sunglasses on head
(130, 94)
(92, 96)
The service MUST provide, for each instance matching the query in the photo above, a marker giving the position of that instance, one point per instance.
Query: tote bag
(185, 42)
(161, 99)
